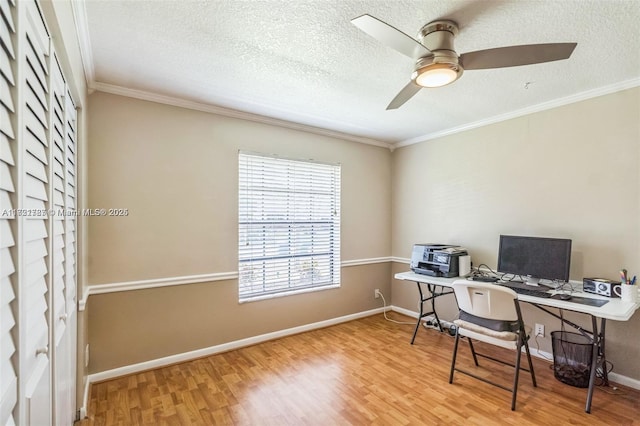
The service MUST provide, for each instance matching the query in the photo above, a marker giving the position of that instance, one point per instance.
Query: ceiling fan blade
(514, 56)
(390, 36)
(405, 94)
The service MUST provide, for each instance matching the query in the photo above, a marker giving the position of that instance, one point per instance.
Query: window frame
(288, 226)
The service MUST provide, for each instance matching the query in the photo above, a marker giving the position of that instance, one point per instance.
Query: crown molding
(86, 55)
(84, 41)
(226, 112)
(594, 93)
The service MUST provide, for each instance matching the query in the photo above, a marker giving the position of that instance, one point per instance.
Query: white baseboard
(404, 311)
(187, 356)
(624, 380)
(85, 398)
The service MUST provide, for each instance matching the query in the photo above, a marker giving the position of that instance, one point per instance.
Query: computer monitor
(535, 258)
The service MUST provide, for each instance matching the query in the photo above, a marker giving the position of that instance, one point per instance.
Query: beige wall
(175, 170)
(142, 325)
(570, 172)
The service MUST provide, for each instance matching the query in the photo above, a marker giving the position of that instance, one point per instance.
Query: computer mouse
(564, 296)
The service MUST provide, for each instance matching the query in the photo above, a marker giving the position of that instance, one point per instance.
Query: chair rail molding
(115, 287)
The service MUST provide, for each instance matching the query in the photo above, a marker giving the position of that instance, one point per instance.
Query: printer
(440, 260)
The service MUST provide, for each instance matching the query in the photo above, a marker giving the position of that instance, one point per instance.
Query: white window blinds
(289, 225)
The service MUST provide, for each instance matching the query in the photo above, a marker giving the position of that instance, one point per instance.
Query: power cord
(477, 272)
(485, 267)
(600, 373)
(538, 350)
(565, 286)
(384, 311)
(504, 276)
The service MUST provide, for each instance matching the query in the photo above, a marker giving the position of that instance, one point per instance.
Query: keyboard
(517, 287)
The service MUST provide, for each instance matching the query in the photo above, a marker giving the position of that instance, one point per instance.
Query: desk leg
(599, 358)
(432, 290)
(594, 363)
(603, 358)
(419, 315)
(423, 299)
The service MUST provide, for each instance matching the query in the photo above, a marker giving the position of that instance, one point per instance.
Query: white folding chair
(491, 314)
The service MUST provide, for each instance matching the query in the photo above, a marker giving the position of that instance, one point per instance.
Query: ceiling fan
(438, 64)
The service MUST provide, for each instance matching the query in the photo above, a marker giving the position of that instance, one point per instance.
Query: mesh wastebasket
(572, 355)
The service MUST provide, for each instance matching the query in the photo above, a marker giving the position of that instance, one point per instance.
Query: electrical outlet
(540, 330)
(376, 293)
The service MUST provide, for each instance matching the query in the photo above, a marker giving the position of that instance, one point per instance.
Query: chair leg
(453, 360)
(516, 375)
(533, 375)
(473, 351)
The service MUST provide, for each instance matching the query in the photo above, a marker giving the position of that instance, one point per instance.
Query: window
(289, 225)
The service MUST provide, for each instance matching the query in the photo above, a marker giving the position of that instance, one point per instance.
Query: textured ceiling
(304, 62)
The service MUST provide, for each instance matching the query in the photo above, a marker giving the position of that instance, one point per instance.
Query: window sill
(288, 293)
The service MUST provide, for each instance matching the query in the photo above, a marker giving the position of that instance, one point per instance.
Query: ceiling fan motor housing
(437, 36)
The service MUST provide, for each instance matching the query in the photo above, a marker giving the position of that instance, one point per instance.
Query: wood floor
(357, 373)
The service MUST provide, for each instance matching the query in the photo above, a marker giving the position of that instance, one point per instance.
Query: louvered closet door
(8, 377)
(57, 171)
(71, 221)
(62, 358)
(34, 348)
(70, 201)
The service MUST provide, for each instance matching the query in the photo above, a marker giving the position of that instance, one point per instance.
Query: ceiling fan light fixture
(436, 75)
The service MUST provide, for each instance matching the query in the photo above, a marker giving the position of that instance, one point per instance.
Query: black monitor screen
(548, 258)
